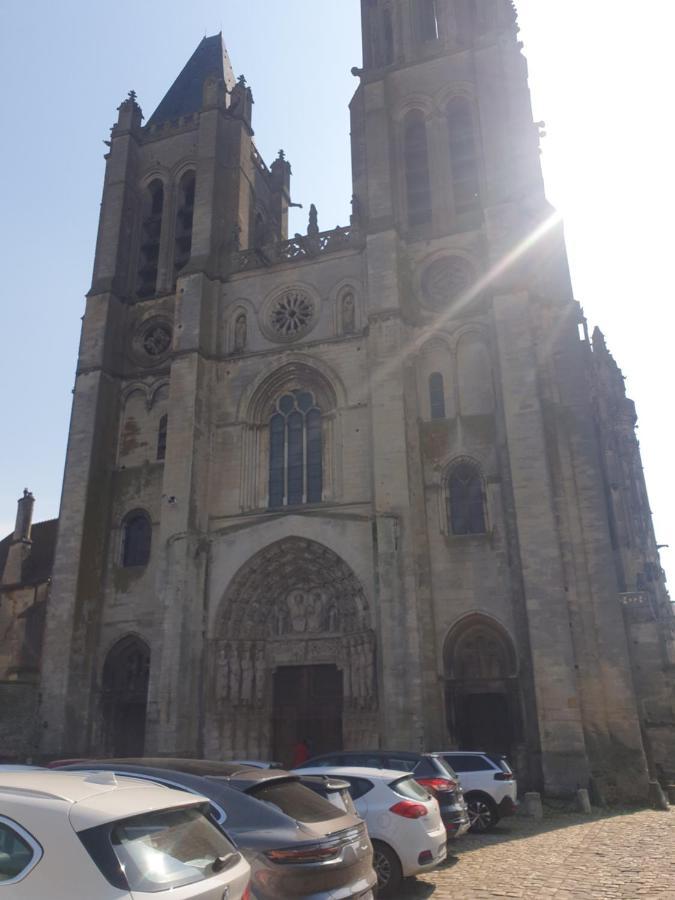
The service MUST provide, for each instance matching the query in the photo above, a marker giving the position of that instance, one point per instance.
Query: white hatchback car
(490, 787)
(403, 820)
(72, 836)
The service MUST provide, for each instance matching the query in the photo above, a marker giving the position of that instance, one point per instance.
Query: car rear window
(409, 788)
(502, 764)
(431, 767)
(358, 787)
(165, 850)
(18, 852)
(461, 763)
(297, 801)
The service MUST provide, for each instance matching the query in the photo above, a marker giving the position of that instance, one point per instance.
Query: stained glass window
(296, 451)
(436, 396)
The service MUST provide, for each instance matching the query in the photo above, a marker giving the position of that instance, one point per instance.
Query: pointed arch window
(464, 164)
(296, 451)
(136, 539)
(436, 396)
(184, 219)
(427, 17)
(387, 37)
(151, 229)
(466, 20)
(416, 161)
(161, 437)
(465, 498)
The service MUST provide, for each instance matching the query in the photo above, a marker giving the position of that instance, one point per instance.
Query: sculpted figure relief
(240, 332)
(348, 313)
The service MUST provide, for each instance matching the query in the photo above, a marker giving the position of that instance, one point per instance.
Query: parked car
(403, 819)
(490, 787)
(297, 843)
(428, 769)
(69, 836)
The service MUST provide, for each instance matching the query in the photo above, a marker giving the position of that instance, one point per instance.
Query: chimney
(21, 542)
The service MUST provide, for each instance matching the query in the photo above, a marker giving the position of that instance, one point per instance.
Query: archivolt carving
(296, 602)
(295, 586)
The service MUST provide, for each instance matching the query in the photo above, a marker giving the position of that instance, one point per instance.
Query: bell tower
(463, 249)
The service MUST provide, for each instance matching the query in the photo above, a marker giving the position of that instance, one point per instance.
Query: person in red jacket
(300, 753)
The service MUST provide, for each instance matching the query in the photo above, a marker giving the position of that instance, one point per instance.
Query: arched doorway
(482, 693)
(125, 697)
(293, 656)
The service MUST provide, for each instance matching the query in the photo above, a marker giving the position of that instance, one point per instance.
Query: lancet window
(464, 163)
(427, 16)
(466, 502)
(416, 160)
(295, 451)
(436, 396)
(151, 228)
(136, 539)
(184, 217)
(161, 437)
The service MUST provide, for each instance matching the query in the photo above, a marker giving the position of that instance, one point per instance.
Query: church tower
(493, 394)
(350, 485)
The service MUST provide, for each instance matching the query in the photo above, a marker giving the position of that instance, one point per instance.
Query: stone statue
(235, 674)
(333, 623)
(348, 313)
(313, 227)
(246, 675)
(315, 607)
(240, 333)
(260, 674)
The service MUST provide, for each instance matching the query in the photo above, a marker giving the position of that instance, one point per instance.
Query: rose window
(157, 340)
(292, 314)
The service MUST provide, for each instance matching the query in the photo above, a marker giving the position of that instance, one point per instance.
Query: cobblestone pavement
(620, 856)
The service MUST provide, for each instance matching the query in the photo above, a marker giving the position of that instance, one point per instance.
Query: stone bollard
(671, 794)
(657, 798)
(583, 802)
(533, 807)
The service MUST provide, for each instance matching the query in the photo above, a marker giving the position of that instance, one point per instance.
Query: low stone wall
(18, 720)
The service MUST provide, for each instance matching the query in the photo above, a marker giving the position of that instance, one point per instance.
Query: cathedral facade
(373, 486)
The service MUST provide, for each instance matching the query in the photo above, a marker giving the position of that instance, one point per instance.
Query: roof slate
(184, 97)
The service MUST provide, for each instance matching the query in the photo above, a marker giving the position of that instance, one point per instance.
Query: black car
(297, 843)
(429, 769)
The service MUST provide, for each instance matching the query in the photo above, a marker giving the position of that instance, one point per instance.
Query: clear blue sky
(600, 80)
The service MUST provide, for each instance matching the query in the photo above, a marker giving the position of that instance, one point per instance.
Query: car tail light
(290, 855)
(247, 893)
(438, 784)
(425, 857)
(504, 776)
(409, 810)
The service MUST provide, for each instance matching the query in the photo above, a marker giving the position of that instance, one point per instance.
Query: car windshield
(165, 850)
(297, 801)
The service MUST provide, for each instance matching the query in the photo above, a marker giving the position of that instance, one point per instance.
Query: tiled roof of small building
(184, 97)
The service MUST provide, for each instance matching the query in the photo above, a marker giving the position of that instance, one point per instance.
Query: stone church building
(373, 486)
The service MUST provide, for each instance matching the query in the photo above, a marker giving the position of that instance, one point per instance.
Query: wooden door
(307, 705)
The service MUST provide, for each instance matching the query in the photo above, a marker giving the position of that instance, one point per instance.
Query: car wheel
(387, 868)
(483, 814)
